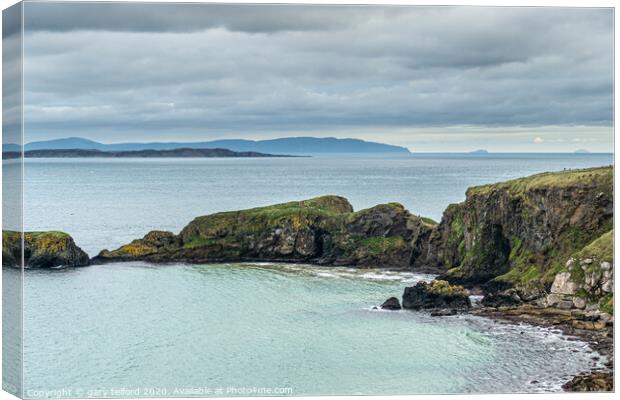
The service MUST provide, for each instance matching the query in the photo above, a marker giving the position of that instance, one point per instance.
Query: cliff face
(521, 232)
(42, 250)
(324, 230)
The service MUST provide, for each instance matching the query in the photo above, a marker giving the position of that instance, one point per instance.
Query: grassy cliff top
(599, 176)
(35, 235)
(319, 205)
(41, 242)
(601, 248)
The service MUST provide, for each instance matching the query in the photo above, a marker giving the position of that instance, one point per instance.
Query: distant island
(183, 152)
(582, 151)
(289, 145)
(480, 151)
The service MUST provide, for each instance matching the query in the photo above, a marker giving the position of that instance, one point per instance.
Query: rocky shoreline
(441, 299)
(599, 340)
(539, 249)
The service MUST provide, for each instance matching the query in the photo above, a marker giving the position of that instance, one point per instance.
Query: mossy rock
(49, 249)
(324, 230)
(519, 233)
(444, 288)
(606, 304)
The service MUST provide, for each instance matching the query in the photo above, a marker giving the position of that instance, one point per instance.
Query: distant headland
(287, 145)
(182, 153)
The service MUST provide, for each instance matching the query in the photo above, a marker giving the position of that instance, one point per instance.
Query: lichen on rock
(49, 249)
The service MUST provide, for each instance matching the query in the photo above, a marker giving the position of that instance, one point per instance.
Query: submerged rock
(436, 295)
(49, 249)
(391, 304)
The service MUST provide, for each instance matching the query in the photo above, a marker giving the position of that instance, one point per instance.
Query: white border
(505, 3)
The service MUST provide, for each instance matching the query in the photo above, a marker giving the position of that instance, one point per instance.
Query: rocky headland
(324, 230)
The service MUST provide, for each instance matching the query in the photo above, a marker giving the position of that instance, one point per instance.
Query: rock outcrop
(587, 283)
(323, 230)
(437, 294)
(519, 234)
(505, 298)
(391, 304)
(41, 250)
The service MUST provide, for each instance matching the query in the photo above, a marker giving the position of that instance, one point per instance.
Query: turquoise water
(313, 330)
(134, 329)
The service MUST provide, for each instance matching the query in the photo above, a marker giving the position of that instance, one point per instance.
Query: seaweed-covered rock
(42, 250)
(437, 294)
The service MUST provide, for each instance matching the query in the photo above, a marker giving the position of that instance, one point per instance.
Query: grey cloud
(268, 69)
(161, 17)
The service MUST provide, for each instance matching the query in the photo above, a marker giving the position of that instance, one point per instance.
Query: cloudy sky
(429, 78)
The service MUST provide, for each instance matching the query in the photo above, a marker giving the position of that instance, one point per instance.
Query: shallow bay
(277, 326)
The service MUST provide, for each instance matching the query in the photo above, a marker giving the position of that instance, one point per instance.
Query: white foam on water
(371, 274)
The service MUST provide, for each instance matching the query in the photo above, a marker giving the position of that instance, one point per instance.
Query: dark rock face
(506, 298)
(42, 250)
(519, 232)
(323, 230)
(435, 295)
(391, 304)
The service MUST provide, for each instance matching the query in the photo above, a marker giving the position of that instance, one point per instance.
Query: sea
(136, 329)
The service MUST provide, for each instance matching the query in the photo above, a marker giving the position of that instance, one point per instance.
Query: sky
(428, 78)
